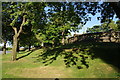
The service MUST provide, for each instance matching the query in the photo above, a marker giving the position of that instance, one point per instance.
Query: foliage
(57, 14)
(118, 25)
(22, 14)
(7, 31)
(106, 26)
(62, 19)
(65, 17)
(27, 37)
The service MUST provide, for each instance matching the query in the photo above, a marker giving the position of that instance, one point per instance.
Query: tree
(118, 25)
(27, 38)
(21, 14)
(96, 28)
(61, 20)
(109, 25)
(106, 26)
(7, 31)
(106, 9)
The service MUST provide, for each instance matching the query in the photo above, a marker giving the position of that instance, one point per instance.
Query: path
(6, 52)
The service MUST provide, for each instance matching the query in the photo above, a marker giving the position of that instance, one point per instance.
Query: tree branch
(21, 26)
(15, 29)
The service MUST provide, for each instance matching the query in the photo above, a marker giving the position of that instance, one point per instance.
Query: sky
(91, 23)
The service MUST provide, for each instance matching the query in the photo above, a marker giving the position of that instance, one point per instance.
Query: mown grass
(28, 67)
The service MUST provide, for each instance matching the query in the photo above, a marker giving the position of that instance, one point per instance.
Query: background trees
(106, 26)
(7, 31)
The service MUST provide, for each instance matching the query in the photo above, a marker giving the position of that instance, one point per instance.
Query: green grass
(27, 67)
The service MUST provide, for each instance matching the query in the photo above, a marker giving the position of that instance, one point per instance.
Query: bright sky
(91, 23)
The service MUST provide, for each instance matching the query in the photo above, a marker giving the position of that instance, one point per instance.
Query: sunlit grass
(27, 67)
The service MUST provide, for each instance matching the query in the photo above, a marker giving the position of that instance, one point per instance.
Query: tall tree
(21, 13)
(61, 20)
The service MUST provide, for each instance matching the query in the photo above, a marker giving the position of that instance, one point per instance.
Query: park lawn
(28, 67)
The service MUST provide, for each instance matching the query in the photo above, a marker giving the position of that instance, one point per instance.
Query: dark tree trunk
(4, 48)
(14, 49)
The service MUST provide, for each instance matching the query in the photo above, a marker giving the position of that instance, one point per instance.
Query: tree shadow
(109, 52)
(49, 55)
(26, 54)
(79, 53)
(73, 55)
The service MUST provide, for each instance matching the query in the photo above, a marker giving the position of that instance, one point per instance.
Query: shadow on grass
(108, 52)
(78, 54)
(26, 54)
(49, 55)
(72, 54)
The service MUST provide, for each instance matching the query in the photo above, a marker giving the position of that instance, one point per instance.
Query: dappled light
(78, 54)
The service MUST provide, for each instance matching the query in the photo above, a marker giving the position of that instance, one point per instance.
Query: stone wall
(110, 36)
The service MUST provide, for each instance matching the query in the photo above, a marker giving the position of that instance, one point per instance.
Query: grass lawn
(27, 67)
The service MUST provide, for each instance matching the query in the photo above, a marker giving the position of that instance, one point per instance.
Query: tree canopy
(51, 22)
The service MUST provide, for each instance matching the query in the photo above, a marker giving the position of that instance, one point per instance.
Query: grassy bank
(28, 67)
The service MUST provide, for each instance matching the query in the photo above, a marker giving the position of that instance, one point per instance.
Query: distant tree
(96, 28)
(106, 26)
(7, 31)
(118, 25)
(27, 38)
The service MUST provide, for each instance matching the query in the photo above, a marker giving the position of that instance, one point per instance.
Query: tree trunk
(63, 38)
(4, 48)
(14, 49)
(15, 39)
(18, 46)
